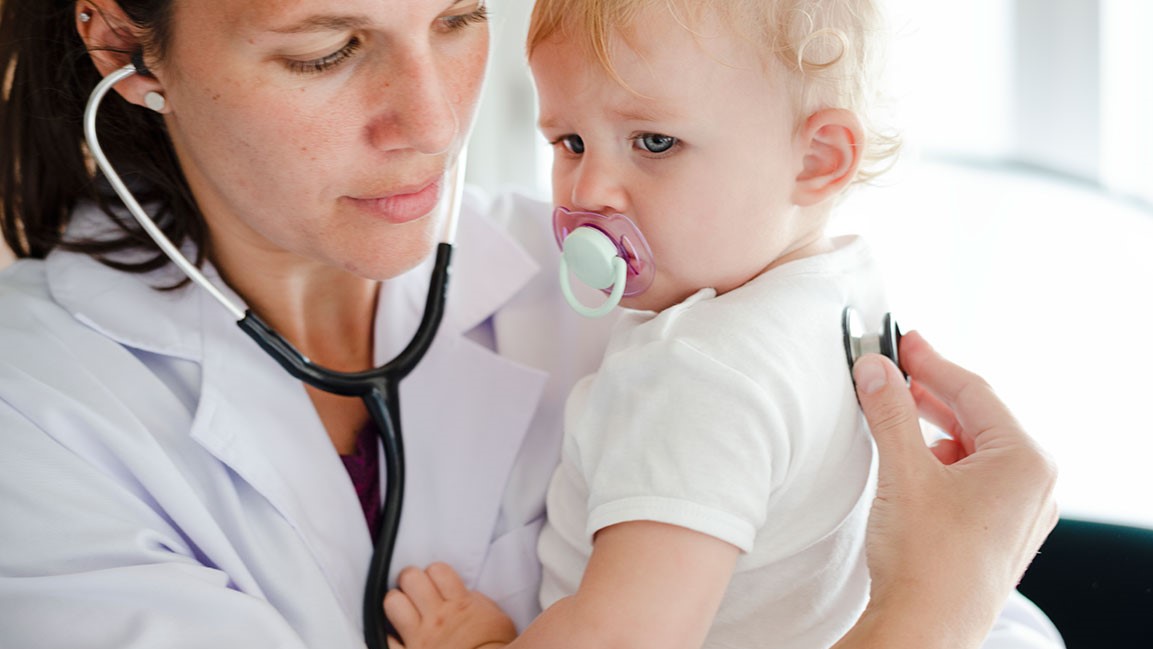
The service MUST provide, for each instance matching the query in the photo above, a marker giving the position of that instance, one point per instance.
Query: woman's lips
(403, 206)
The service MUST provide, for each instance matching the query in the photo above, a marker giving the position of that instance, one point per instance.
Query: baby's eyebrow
(643, 112)
(632, 112)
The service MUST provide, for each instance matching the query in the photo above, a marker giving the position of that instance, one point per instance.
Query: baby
(716, 473)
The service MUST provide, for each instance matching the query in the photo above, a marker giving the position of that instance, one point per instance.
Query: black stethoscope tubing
(378, 388)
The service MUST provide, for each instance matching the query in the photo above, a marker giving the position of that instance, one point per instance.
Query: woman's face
(320, 131)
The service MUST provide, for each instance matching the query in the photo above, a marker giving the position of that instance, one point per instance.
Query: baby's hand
(433, 610)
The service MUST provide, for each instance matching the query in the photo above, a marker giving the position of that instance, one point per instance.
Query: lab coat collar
(488, 269)
(127, 307)
(248, 406)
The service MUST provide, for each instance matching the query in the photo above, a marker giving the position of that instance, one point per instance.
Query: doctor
(163, 483)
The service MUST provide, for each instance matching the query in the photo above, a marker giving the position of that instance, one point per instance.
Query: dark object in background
(1095, 581)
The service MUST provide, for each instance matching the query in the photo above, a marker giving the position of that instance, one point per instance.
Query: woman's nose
(419, 98)
(598, 185)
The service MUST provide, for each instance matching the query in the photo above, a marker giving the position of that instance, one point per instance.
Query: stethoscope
(858, 341)
(378, 388)
(609, 253)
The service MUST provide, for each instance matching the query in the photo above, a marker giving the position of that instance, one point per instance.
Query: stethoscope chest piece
(859, 342)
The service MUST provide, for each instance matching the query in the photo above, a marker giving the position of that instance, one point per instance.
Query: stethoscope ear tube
(166, 246)
(455, 196)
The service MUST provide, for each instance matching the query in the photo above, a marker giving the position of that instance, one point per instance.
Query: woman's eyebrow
(336, 22)
(324, 22)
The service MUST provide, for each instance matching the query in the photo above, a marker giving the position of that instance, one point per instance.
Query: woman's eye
(655, 142)
(326, 62)
(460, 21)
(572, 143)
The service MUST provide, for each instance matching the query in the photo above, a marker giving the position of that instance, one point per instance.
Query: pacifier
(607, 253)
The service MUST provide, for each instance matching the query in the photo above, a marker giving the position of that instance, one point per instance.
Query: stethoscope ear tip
(859, 342)
(136, 60)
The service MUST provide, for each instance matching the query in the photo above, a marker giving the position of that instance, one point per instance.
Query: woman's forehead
(307, 15)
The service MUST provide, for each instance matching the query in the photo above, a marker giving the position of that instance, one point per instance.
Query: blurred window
(1064, 86)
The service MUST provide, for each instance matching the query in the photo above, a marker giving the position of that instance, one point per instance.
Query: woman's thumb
(890, 410)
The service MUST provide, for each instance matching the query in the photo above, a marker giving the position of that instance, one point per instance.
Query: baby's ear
(830, 143)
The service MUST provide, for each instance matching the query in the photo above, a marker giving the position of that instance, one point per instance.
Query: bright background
(1017, 230)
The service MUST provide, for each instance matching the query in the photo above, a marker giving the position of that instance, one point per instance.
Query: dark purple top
(363, 467)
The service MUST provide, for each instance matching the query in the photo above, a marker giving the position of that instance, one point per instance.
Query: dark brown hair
(44, 167)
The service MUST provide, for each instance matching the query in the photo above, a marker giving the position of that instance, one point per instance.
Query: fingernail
(870, 375)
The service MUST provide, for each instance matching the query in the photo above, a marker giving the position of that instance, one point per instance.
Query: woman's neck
(326, 312)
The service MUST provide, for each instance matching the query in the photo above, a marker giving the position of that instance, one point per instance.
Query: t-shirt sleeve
(669, 434)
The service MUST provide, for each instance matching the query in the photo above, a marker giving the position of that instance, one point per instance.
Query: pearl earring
(85, 16)
(154, 100)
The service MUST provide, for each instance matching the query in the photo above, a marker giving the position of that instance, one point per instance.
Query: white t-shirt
(734, 416)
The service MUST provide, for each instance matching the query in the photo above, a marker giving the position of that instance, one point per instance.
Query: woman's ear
(110, 37)
(830, 143)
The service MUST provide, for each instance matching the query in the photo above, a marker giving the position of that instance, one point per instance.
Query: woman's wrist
(915, 619)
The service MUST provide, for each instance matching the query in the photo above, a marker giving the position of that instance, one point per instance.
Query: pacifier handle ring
(614, 298)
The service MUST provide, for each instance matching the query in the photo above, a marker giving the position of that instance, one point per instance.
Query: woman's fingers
(973, 403)
(948, 451)
(892, 415)
(934, 410)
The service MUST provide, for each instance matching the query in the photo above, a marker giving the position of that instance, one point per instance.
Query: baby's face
(702, 152)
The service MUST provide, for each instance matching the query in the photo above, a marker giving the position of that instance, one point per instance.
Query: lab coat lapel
(251, 415)
(259, 421)
(465, 409)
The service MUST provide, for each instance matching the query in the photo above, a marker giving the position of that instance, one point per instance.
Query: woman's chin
(390, 256)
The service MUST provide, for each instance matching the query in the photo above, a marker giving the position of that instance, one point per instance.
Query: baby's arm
(646, 585)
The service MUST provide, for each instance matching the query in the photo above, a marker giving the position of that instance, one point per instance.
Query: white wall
(506, 149)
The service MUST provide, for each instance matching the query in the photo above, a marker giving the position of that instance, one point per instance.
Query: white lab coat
(163, 483)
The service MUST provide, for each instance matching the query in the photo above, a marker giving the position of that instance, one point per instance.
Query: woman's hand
(952, 528)
(434, 610)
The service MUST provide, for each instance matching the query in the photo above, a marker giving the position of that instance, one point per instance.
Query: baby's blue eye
(655, 142)
(573, 143)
